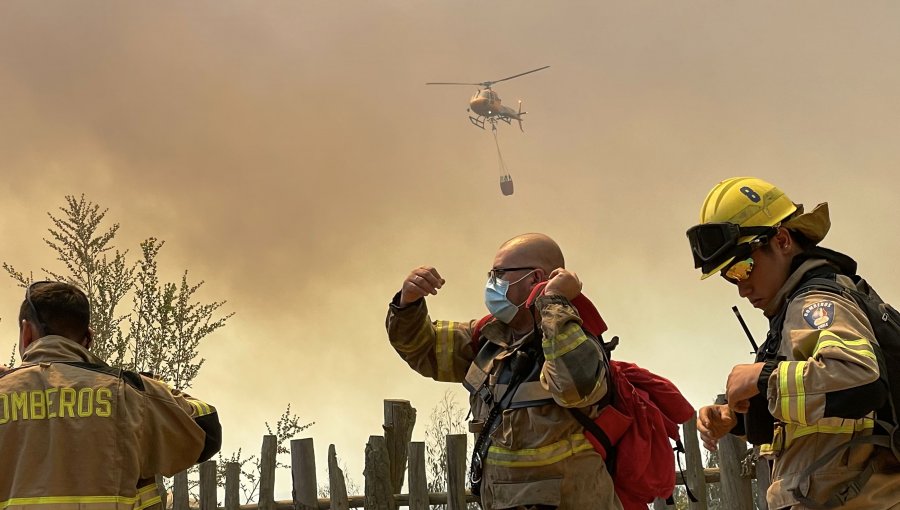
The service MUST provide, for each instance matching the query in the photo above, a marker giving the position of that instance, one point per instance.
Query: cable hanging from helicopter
(487, 107)
(506, 182)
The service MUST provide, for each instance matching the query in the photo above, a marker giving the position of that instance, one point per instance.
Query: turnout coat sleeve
(575, 369)
(831, 368)
(441, 350)
(177, 430)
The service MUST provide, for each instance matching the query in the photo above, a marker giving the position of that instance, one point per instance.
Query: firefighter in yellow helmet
(816, 384)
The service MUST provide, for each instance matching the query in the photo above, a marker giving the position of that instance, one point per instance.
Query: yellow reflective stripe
(201, 407)
(147, 488)
(443, 350)
(149, 502)
(785, 372)
(866, 353)
(196, 405)
(801, 391)
(147, 491)
(534, 457)
(848, 428)
(568, 339)
(82, 500)
(787, 369)
(864, 348)
(783, 369)
(855, 426)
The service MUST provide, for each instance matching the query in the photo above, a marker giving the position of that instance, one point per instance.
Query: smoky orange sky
(291, 156)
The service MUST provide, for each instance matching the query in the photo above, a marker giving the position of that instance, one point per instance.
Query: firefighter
(77, 433)
(816, 380)
(530, 365)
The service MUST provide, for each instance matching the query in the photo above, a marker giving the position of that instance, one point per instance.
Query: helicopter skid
(482, 121)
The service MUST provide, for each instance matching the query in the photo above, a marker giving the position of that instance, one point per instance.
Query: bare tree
(287, 426)
(352, 486)
(447, 417)
(162, 332)
(84, 248)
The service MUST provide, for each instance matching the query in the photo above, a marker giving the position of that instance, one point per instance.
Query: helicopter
(485, 104)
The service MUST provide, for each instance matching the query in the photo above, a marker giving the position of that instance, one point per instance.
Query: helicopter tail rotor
(519, 116)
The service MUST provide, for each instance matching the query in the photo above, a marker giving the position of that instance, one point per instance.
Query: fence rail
(392, 458)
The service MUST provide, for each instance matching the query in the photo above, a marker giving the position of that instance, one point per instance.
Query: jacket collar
(817, 261)
(58, 348)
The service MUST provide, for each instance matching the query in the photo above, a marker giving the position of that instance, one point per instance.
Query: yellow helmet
(736, 212)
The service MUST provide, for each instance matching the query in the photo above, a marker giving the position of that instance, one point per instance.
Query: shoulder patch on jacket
(819, 315)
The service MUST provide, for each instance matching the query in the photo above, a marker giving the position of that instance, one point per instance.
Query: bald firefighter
(76, 433)
(523, 369)
(810, 398)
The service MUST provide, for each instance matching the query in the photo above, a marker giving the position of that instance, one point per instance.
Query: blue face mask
(495, 298)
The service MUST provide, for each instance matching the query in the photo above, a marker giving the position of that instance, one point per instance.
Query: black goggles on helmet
(714, 243)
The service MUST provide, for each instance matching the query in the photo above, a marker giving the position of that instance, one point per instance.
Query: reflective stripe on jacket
(826, 344)
(538, 454)
(77, 434)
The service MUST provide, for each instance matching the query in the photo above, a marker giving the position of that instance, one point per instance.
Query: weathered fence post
(379, 490)
(303, 474)
(232, 486)
(208, 486)
(399, 420)
(736, 491)
(763, 480)
(180, 497)
(694, 477)
(418, 485)
(456, 471)
(161, 487)
(337, 488)
(267, 461)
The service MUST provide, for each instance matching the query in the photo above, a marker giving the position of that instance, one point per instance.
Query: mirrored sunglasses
(739, 271)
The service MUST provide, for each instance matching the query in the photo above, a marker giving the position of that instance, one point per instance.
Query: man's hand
(713, 422)
(742, 384)
(421, 282)
(563, 283)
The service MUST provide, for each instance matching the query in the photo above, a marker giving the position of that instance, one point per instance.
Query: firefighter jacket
(538, 453)
(78, 434)
(820, 389)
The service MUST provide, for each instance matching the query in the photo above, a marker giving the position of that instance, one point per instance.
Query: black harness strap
(521, 366)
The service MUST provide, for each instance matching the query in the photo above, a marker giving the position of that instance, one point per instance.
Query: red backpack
(643, 465)
(632, 433)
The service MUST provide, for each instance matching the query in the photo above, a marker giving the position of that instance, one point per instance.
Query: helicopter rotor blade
(489, 83)
(452, 83)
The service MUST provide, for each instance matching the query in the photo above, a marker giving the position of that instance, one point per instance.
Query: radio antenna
(740, 319)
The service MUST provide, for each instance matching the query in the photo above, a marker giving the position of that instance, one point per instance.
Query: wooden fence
(390, 456)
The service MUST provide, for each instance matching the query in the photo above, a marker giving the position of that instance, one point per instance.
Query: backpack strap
(848, 490)
(679, 449)
(852, 488)
(476, 332)
(599, 434)
(521, 364)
